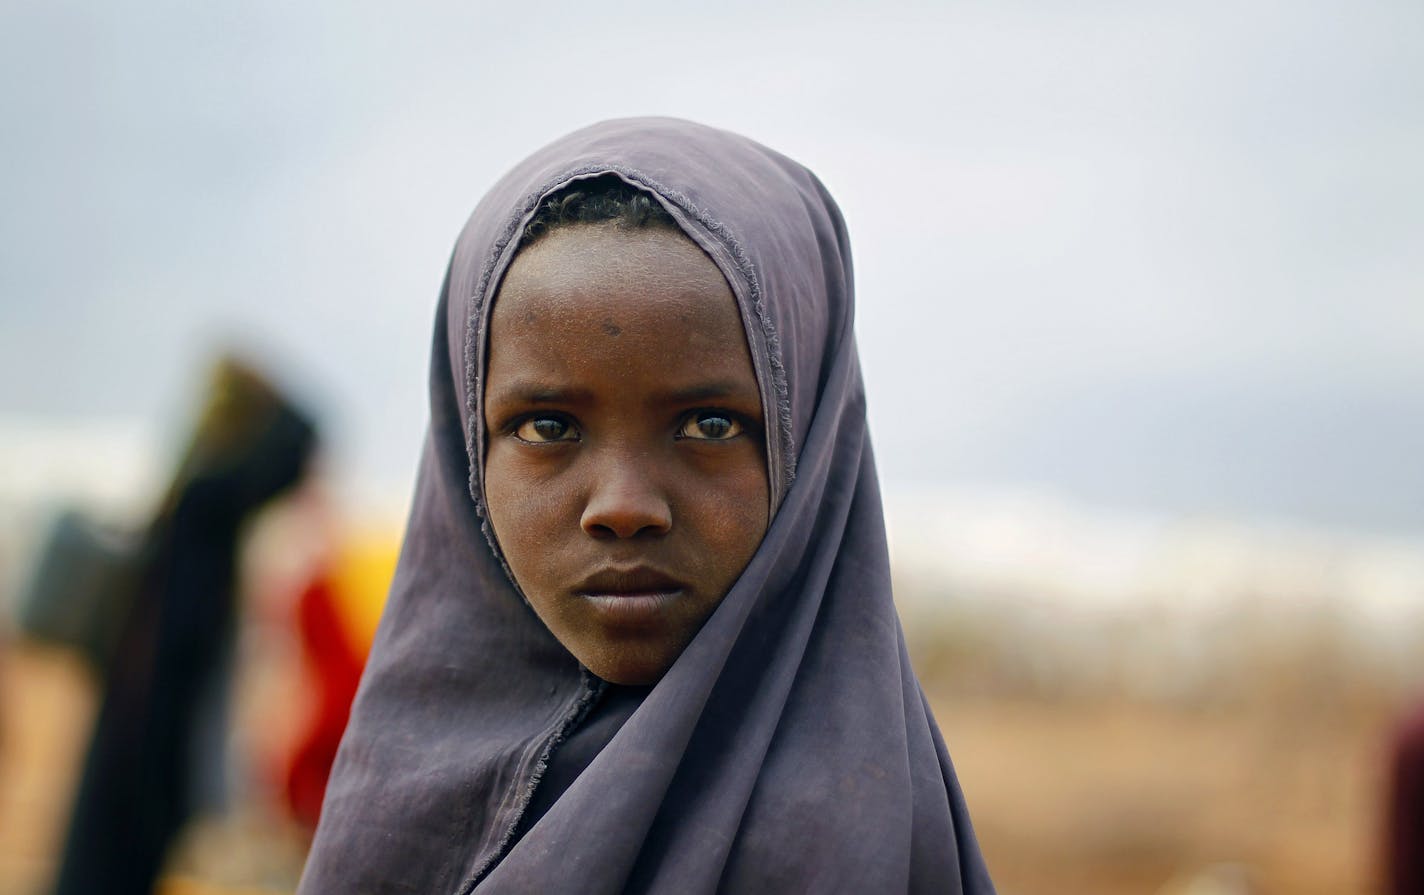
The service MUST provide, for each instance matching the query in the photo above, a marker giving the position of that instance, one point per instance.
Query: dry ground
(1069, 796)
(1120, 798)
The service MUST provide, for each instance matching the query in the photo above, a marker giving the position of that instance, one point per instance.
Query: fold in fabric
(789, 748)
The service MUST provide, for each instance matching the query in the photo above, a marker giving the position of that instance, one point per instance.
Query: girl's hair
(596, 201)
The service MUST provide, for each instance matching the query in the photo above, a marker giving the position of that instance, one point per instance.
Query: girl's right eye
(543, 429)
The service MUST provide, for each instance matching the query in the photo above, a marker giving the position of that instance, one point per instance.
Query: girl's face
(625, 467)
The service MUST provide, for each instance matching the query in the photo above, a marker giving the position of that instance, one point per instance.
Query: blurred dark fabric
(136, 790)
(1404, 827)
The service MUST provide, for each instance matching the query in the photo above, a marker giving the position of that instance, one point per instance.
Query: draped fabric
(789, 747)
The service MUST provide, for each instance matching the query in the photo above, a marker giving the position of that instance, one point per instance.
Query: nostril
(599, 530)
(602, 527)
(625, 512)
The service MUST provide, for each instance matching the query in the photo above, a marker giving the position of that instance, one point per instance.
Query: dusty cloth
(789, 748)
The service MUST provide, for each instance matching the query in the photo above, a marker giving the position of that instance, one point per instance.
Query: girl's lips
(632, 608)
(628, 581)
(630, 596)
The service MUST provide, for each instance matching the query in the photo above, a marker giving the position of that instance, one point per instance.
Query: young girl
(641, 638)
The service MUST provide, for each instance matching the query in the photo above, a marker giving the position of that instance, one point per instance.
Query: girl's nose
(626, 503)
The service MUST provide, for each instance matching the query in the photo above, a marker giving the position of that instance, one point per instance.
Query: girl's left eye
(710, 425)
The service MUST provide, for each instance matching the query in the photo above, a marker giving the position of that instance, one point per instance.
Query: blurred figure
(166, 673)
(1404, 826)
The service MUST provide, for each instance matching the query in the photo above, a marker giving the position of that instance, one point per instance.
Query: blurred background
(1139, 310)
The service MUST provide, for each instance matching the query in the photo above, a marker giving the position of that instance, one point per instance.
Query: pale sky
(1161, 258)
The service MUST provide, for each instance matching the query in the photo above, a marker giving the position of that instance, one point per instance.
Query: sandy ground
(1080, 796)
(1118, 798)
(46, 707)
(47, 704)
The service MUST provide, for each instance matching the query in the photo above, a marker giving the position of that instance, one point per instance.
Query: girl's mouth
(630, 596)
(632, 609)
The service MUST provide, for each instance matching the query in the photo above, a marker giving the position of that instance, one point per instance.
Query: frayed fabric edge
(591, 688)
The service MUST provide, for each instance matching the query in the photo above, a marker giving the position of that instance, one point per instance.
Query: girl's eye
(710, 425)
(541, 429)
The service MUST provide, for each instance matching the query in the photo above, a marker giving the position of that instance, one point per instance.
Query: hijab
(790, 746)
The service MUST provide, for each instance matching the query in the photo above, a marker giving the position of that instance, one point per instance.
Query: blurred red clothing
(336, 666)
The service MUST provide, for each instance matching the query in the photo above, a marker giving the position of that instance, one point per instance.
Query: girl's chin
(641, 668)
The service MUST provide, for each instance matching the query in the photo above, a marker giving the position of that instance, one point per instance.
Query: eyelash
(738, 425)
(519, 423)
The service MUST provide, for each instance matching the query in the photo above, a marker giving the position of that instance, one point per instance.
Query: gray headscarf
(789, 748)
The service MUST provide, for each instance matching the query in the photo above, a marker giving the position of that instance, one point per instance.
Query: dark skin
(625, 467)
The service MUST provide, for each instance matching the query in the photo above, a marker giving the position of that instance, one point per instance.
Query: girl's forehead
(641, 277)
(616, 307)
(585, 256)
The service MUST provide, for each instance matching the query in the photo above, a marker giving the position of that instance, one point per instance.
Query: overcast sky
(1165, 258)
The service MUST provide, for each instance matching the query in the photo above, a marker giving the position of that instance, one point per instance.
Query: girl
(641, 638)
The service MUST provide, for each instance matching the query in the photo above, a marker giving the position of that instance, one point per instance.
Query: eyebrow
(541, 393)
(703, 391)
(525, 392)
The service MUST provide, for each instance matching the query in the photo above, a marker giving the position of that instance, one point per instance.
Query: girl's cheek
(741, 505)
